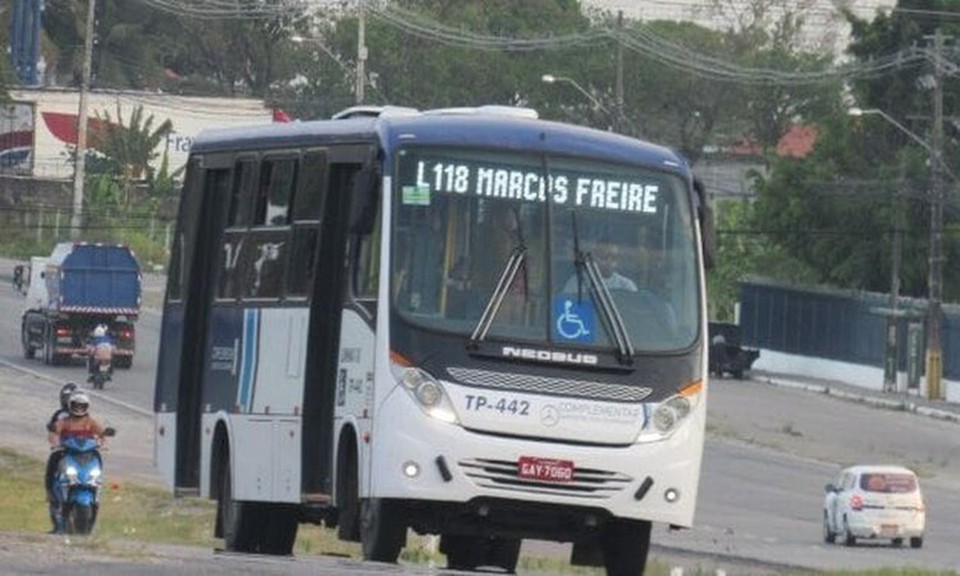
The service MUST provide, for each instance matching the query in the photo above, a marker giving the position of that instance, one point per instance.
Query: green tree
(744, 250)
(130, 150)
(835, 209)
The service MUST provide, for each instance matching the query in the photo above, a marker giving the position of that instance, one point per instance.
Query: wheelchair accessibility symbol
(575, 320)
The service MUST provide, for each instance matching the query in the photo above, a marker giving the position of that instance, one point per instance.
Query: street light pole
(361, 53)
(934, 360)
(551, 79)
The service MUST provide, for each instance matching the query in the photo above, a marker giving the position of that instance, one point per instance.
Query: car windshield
(891, 483)
(544, 250)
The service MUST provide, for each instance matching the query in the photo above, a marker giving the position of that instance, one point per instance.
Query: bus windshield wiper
(514, 264)
(584, 262)
(608, 308)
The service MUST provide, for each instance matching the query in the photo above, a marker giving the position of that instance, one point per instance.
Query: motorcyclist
(78, 423)
(100, 349)
(53, 461)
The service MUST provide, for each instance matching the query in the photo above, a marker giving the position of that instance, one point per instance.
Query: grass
(132, 513)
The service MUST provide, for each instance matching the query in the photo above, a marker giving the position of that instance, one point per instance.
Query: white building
(38, 131)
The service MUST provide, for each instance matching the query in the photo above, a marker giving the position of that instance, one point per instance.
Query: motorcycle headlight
(428, 393)
(94, 477)
(71, 473)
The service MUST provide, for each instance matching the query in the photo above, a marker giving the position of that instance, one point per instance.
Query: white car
(874, 502)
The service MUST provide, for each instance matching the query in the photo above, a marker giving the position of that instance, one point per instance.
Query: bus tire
(239, 520)
(383, 532)
(625, 547)
(348, 491)
(471, 552)
(280, 531)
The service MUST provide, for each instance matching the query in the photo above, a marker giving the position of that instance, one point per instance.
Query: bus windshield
(544, 250)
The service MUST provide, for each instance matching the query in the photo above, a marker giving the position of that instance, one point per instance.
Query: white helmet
(78, 404)
(100, 331)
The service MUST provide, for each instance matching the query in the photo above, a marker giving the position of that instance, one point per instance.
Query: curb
(899, 405)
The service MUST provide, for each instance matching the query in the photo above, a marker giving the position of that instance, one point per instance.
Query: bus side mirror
(708, 230)
(364, 199)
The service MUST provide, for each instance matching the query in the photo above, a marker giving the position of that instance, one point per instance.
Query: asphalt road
(769, 453)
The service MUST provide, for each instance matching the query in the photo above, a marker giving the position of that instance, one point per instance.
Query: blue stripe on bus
(248, 358)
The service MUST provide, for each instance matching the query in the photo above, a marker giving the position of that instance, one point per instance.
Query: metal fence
(843, 325)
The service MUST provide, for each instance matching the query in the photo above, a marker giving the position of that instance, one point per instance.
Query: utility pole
(361, 52)
(76, 219)
(934, 350)
(618, 103)
(893, 341)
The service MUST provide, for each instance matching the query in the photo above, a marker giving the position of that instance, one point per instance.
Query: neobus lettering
(549, 355)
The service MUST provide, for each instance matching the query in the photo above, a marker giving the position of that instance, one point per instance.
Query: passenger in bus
(607, 256)
(500, 238)
(420, 280)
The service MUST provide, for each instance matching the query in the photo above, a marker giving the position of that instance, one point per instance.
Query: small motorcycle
(102, 373)
(77, 483)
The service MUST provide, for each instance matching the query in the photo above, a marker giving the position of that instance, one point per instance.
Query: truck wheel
(28, 351)
(51, 354)
(47, 350)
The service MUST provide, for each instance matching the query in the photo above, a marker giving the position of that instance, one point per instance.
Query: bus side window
(241, 197)
(311, 192)
(186, 233)
(266, 258)
(308, 204)
(232, 263)
(273, 191)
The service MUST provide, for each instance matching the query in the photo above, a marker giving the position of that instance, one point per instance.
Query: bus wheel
(625, 547)
(382, 529)
(280, 531)
(238, 519)
(471, 552)
(348, 494)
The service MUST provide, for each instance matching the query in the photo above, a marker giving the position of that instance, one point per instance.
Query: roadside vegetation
(132, 516)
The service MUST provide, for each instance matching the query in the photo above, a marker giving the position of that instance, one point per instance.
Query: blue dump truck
(79, 286)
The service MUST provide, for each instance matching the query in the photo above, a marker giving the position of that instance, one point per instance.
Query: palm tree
(130, 149)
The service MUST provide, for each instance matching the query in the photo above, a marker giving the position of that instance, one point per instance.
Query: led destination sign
(619, 193)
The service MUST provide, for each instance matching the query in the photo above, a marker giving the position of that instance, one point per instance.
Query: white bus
(468, 322)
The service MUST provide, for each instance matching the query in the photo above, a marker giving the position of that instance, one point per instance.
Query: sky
(825, 30)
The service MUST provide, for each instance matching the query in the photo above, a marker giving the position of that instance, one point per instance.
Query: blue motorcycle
(77, 483)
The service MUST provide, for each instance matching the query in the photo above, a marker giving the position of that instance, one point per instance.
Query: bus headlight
(428, 394)
(670, 414)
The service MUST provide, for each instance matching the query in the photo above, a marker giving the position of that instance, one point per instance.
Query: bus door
(342, 166)
(198, 285)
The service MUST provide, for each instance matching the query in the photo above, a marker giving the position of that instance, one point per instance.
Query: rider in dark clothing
(100, 349)
(53, 461)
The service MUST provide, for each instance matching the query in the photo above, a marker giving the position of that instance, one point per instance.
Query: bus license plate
(545, 469)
